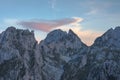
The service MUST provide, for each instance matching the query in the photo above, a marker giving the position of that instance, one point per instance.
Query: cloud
(97, 7)
(48, 25)
(52, 3)
(92, 12)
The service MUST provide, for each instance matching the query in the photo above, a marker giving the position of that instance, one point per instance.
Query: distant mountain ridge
(60, 56)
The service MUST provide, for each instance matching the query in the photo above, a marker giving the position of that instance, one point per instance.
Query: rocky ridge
(60, 56)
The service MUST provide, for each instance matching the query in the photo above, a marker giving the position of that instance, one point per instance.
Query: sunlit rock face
(60, 56)
(20, 57)
(57, 50)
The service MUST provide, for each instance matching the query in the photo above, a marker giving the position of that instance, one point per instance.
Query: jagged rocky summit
(58, 49)
(60, 56)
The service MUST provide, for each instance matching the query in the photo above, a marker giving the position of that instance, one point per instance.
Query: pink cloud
(48, 25)
(36, 25)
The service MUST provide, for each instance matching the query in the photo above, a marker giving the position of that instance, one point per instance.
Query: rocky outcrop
(104, 56)
(20, 58)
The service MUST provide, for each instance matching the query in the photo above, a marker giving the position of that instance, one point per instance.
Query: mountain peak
(70, 31)
(117, 28)
(60, 36)
(55, 36)
(73, 35)
(12, 28)
(12, 35)
(111, 37)
(113, 31)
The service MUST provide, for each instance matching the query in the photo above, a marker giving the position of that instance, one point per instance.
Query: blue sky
(95, 16)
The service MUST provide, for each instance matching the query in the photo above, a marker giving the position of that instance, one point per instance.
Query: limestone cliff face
(60, 56)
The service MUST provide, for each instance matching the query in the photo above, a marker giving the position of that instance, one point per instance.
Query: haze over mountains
(60, 56)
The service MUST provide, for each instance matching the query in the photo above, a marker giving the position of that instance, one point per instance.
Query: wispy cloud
(97, 7)
(52, 3)
(48, 25)
(92, 12)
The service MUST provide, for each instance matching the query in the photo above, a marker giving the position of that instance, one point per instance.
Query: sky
(87, 18)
